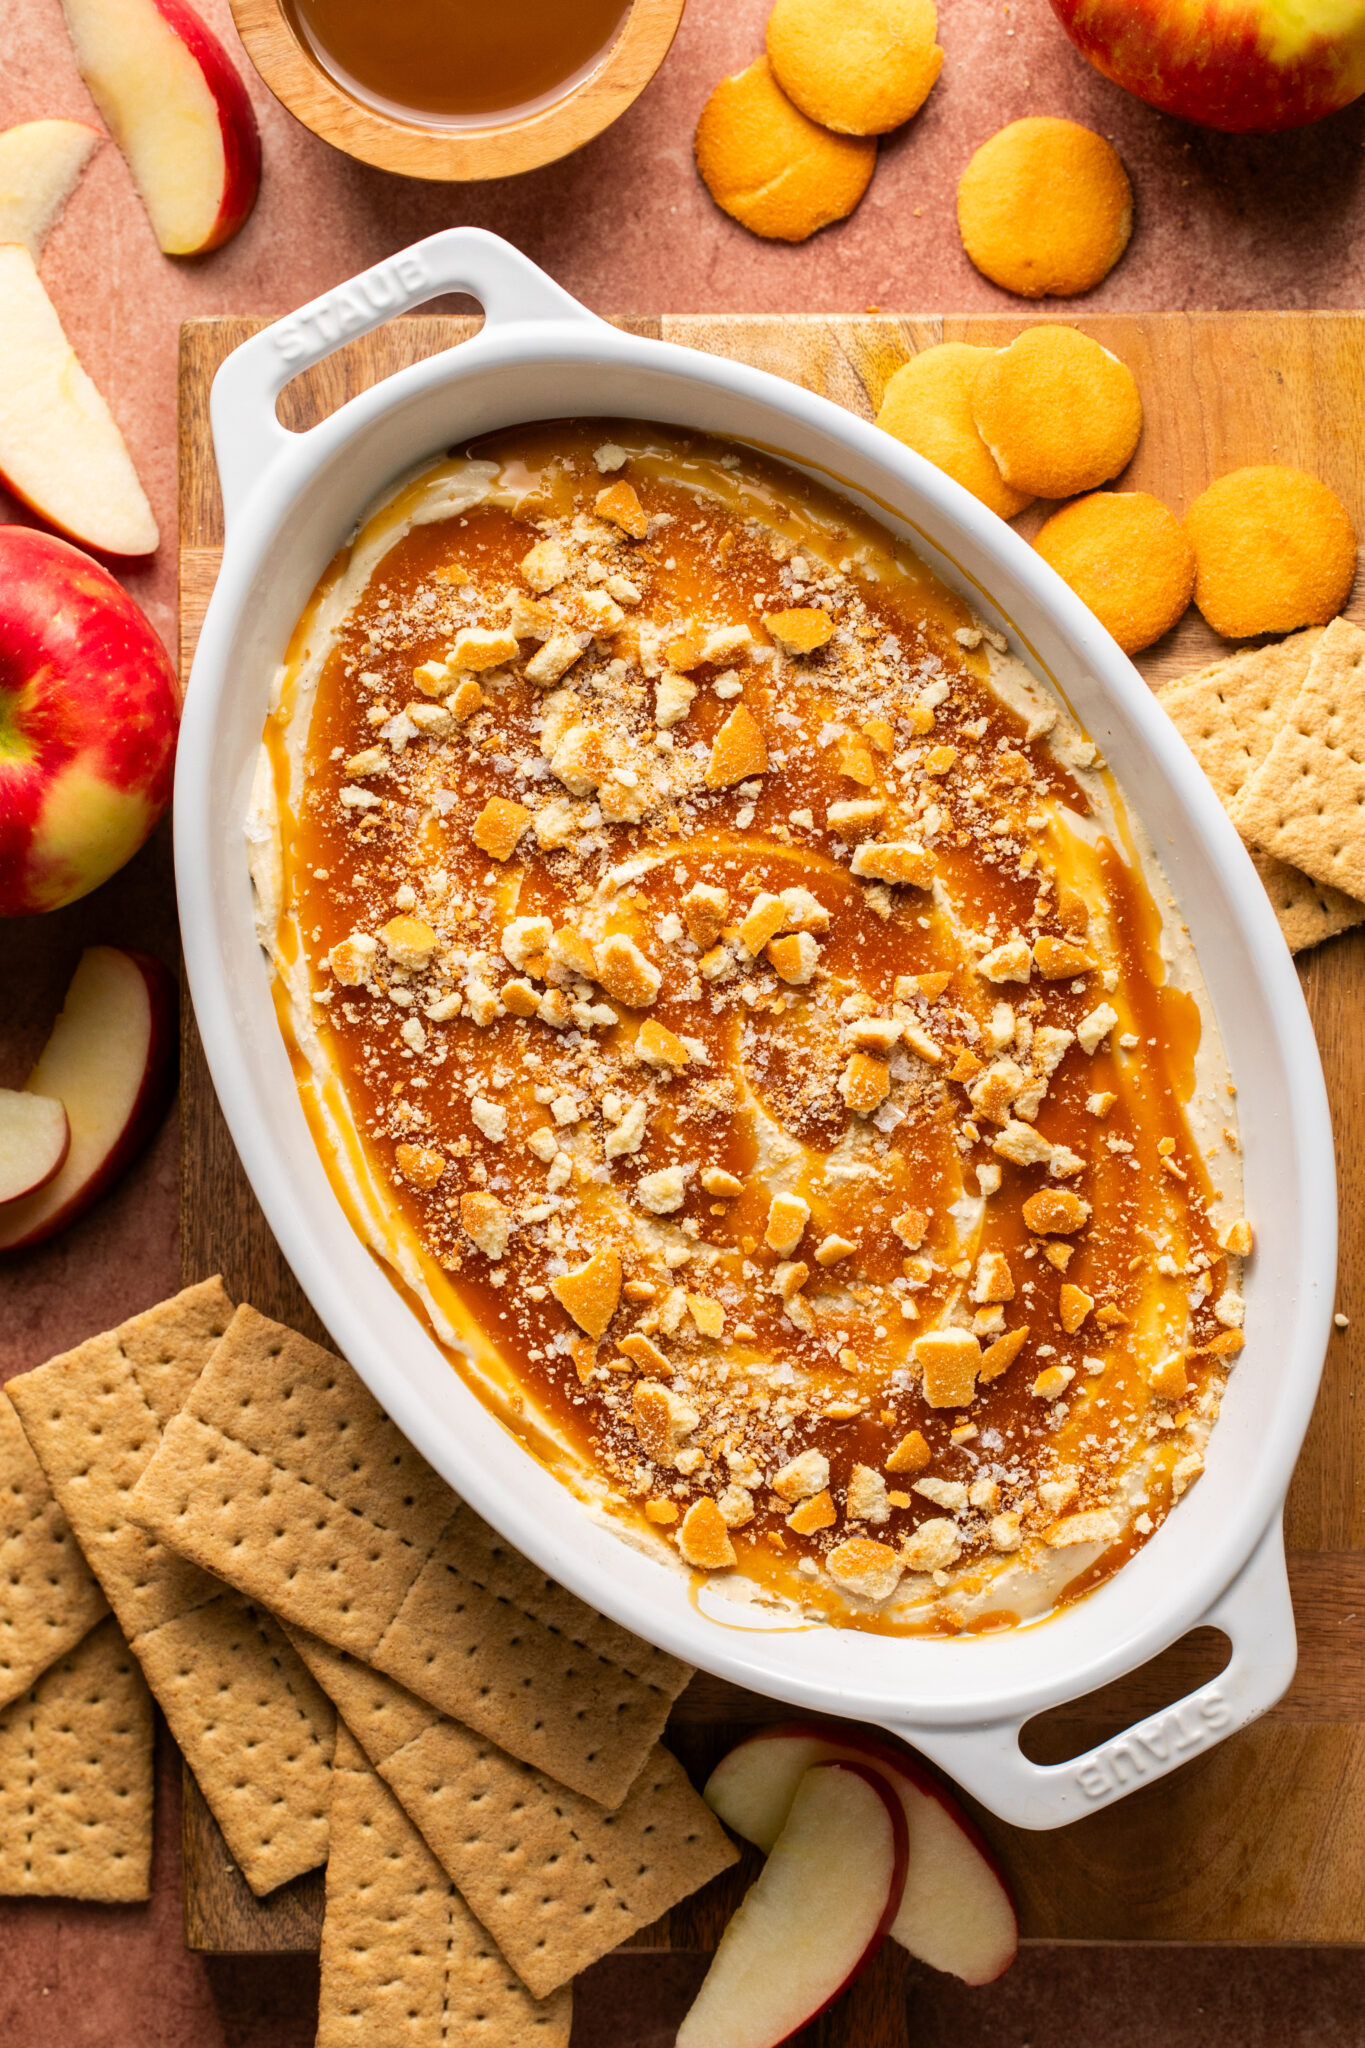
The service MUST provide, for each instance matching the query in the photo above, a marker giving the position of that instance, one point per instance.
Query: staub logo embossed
(1147, 1750)
(352, 309)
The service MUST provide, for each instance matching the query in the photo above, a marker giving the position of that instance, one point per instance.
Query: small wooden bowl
(499, 150)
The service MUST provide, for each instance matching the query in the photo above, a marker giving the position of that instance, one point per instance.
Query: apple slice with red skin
(956, 1913)
(111, 1062)
(178, 110)
(60, 448)
(35, 1137)
(815, 1916)
(40, 165)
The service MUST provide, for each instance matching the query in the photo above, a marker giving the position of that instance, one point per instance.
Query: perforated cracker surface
(1306, 801)
(93, 1423)
(254, 1728)
(1229, 715)
(76, 1778)
(403, 1958)
(1308, 911)
(284, 1476)
(557, 1879)
(49, 1598)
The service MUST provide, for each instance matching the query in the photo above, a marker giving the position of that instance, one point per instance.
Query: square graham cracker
(283, 1475)
(1229, 715)
(1306, 801)
(252, 1725)
(1308, 911)
(76, 1778)
(403, 1958)
(556, 1879)
(49, 1597)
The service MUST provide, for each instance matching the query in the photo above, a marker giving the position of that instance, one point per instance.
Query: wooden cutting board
(1260, 1839)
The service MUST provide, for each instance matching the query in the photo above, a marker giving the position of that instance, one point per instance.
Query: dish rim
(530, 327)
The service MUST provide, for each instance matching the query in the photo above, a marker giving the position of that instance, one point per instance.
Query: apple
(35, 1137)
(110, 1062)
(40, 163)
(1244, 65)
(178, 110)
(60, 450)
(814, 1917)
(88, 715)
(955, 1914)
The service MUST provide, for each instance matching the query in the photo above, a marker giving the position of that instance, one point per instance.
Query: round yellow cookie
(857, 66)
(928, 406)
(1045, 208)
(1274, 549)
(769, 167)
(1058, 413)
(1127, 557)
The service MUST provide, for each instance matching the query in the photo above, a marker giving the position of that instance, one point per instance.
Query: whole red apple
(88, 716)
(1243, 65)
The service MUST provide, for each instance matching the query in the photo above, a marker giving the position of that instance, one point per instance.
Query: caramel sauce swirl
(733, 980)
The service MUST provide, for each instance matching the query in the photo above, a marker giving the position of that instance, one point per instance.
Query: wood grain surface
(1262, 1838)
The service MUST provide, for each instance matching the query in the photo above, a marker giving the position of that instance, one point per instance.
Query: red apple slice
(60, 450)
(815, 1916)
(40, 162)
(956, 1913)
(179, 112)
(110, 1061)
(35, 1138)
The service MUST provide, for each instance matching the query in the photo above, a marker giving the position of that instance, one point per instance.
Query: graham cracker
(283, 1475)
(403, 1958)
(76, 1778)
(49, 1597)
(556, 1879)
(1308, 911)
(253, 1727)
(1229, 715)
(1306, 801)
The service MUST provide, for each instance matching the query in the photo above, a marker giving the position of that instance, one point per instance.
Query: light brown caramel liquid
(457, 62)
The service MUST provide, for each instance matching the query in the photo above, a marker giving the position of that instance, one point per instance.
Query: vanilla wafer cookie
(403, 1958)
(49, 1598)
(555, 1878)
(253, 1726)
(76, 1778)
(284, 1475)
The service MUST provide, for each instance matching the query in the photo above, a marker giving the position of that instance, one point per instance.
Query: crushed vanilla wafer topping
(753, 1022)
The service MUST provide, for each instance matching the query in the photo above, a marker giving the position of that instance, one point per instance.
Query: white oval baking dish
(290, 500)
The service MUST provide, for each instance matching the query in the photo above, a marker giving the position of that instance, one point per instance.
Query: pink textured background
(1221, 222)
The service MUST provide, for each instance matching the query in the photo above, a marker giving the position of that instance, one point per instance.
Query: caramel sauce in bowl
(438, 62)
(433, 89)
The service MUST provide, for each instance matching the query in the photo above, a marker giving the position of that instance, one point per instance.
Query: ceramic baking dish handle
(247, 436)
(1255, 1614)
